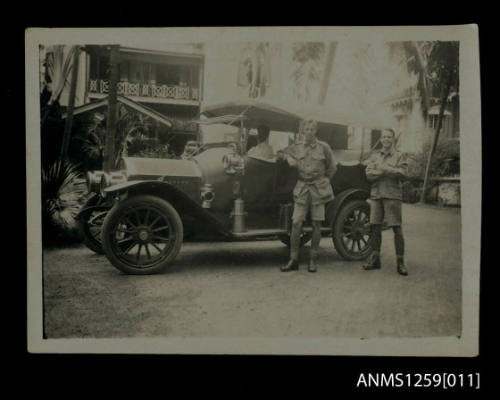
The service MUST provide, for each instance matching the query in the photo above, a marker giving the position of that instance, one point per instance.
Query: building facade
(291, 75)
(367, 83)
(168, 80)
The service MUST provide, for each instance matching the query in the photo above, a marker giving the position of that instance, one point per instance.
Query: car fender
(94, 202)
(333, 208)
(183, 203)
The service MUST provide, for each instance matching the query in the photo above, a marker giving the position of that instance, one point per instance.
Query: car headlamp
(207, 195)
(110, 179)
(93, 181)
(233, 163)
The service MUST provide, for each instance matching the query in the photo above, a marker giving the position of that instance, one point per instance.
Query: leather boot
(401, 267)
(292, 265)
(373, 263)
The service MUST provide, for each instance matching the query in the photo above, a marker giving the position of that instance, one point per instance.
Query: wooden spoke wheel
(142, 235)
(351, 231)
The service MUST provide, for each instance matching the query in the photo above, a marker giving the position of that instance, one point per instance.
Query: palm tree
(131, 126)
(443, 67)
(58, 65)
(416, 60)
(436, 65)
(330, 57)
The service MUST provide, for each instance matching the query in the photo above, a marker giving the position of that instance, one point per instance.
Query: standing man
(386, 169)
(315, 164)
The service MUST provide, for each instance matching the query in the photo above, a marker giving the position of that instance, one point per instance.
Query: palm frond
(60, 68)
(62, 195)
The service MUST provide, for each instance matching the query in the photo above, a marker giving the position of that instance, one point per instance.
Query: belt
(309, 181)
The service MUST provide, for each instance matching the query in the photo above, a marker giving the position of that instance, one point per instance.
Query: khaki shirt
(386, 171)
(315, 165)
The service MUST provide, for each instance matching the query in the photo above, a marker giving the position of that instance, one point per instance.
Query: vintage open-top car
(140, 214)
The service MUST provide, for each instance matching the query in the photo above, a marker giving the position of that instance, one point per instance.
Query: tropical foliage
(415, 59)
(436, 64)
(58, 64)
(431, 62)
(51, 129)
(136, 134)
(90, 139)
(445, 162)
(150, 148)
(442, 66)
(63, 193)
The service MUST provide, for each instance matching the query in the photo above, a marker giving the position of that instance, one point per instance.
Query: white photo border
(465, 345)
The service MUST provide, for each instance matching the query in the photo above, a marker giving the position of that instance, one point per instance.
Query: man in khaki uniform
(386, 168)
(315, 164)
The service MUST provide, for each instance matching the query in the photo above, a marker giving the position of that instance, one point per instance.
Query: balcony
(147, 92)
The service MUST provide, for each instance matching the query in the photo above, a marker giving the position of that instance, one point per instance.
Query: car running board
(266, 234)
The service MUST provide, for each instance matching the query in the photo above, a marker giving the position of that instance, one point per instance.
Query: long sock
(376, 230)
(295, 240)
(399, 241)
(316, 238)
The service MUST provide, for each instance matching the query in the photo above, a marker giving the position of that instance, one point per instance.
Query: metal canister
(239, 216)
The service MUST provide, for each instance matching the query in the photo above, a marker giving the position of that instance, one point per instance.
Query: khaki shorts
(300, 211)
(385, 211)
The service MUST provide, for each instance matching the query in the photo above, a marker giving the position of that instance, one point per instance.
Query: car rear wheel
(90, 224)
(351, 231)
(142, 235)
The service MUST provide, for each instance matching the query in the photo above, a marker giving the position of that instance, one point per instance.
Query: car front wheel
(142, 235)
(351, 231)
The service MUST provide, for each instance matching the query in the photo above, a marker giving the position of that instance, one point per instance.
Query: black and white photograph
(277, 190)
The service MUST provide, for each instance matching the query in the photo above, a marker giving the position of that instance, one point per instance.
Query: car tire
(90, 225)
(139, 222)
(350, 230)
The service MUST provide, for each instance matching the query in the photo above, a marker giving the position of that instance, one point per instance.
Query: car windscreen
(215, 133)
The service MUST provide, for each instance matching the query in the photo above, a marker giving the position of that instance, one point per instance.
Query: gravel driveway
(236, 289)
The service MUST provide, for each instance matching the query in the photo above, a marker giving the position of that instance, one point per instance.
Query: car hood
(147, 168)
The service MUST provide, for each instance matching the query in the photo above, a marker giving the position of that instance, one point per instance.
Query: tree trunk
(442, 107)
(109, 153)
(425, 85)
(71, 106)
(323, 90)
